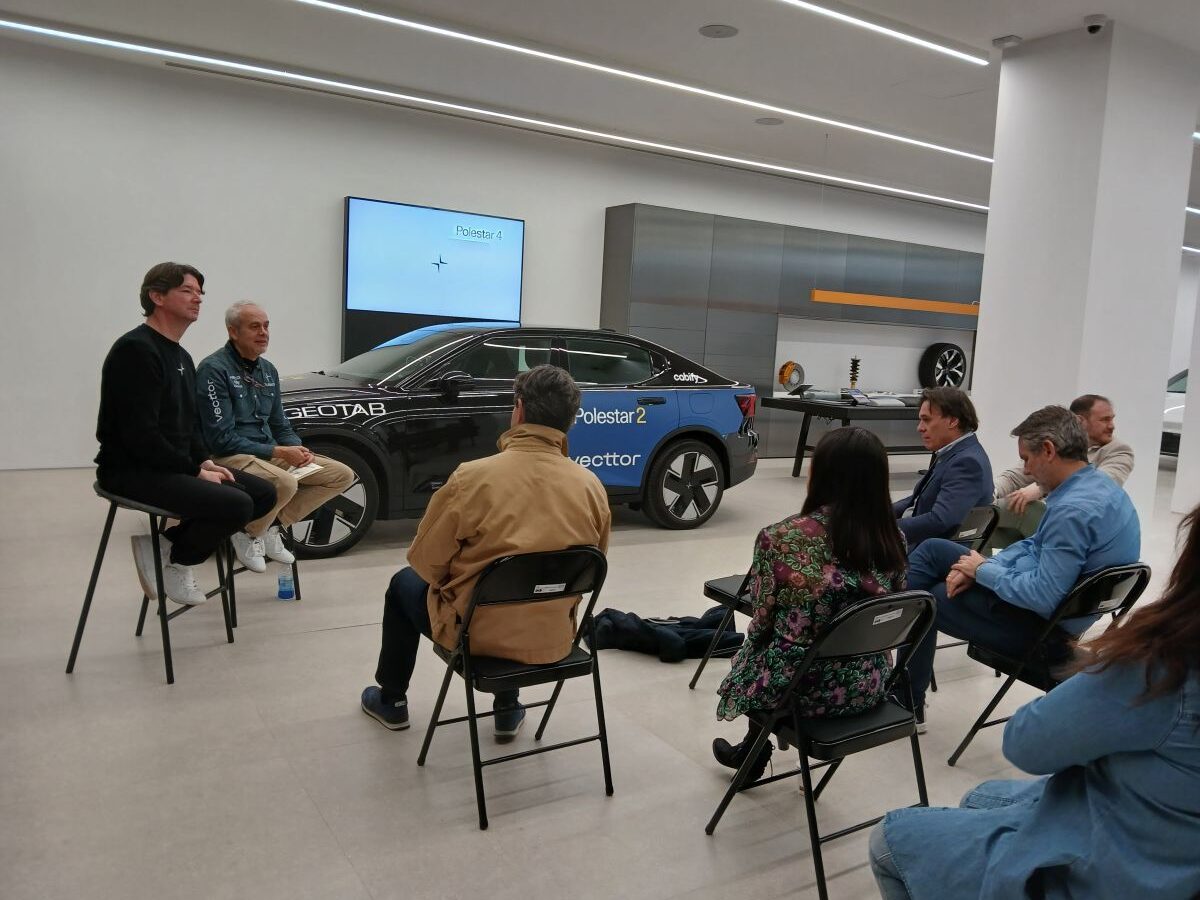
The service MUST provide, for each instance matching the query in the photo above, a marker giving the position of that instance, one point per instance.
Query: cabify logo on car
(691, 377)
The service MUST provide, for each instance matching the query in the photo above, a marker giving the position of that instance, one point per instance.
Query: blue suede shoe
(508, 720)
(393, 716)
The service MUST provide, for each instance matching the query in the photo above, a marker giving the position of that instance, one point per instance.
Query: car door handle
(651, 401)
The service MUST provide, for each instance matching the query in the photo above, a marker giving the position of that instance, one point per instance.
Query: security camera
(1095, 24)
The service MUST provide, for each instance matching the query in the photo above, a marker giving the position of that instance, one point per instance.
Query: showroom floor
(256, 775)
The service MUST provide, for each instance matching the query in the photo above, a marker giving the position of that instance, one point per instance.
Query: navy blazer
(960, 480)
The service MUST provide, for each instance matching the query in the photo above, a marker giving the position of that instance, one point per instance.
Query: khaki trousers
(294, 499)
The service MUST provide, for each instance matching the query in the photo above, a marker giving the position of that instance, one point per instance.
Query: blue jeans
(405, 619)
(887, 876)
(976, 614)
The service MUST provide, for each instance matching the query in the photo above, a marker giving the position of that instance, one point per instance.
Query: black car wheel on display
(942, 365)
(684, 487)
(341, 522)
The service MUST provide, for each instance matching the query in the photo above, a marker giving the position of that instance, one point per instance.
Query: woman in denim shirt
(1118, 815)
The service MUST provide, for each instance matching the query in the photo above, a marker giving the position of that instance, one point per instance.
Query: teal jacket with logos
(240, 409)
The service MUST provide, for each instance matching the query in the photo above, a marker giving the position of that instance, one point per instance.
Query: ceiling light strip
(843, 15)
(1193, 210)
(636, 76)
(415, 99)
(366, 90)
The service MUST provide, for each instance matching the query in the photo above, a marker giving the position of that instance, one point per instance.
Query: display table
(846, 412)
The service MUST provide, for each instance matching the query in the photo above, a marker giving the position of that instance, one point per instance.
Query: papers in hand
(300, 471)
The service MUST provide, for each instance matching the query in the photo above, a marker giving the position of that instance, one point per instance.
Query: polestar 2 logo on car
(662, 433)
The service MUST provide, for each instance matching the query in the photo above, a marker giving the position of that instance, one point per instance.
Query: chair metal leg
(833, 767)
(224, 568)
(919, 769)
(162, 599)
(608, 785)
(142, 616)
(933, 681)
(982, 720)
(738, 778)
(476, 763)
(91, 589)
(550, 707)
(232, 560)
(290, 543)
(437, 711)
(712, 645)
(814, 836)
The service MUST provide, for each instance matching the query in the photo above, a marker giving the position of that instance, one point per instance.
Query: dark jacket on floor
(671, 640)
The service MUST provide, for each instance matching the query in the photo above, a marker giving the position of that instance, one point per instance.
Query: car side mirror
(451, 383)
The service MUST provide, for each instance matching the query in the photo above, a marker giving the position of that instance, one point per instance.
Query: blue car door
(618, 424)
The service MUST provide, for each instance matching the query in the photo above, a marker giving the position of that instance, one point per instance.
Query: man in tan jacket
(1112, 457)
(530, 497)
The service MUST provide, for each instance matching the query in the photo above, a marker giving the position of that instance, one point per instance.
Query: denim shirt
(241, 411)
(1090, 523)
(1117, 817)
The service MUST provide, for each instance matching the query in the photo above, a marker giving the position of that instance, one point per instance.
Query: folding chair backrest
(977, 527)
(1111, 590)
(876, 625)
(536, 577)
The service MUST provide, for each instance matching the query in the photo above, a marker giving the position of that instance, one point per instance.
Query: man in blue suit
(959, 477)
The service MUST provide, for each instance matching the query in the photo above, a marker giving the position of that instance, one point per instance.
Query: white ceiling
(782, 55)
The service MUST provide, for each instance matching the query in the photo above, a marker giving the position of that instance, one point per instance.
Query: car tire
(684, 487)
(341, 522)
(942, 365)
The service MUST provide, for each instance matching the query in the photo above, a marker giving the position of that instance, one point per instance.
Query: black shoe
(392, 716)
(508, 720)
(733, 755)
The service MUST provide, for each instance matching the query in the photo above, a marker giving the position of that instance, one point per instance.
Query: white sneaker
(273, 543)
(249, 550)
(179, 582)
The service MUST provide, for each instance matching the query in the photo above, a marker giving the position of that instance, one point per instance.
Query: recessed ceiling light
(852, 16)
(1008, 40)
(769, 120)
(1196, 135)
(718, 31)
(636, 76)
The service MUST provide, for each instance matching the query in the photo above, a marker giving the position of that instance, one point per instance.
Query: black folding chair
(733, 593)
(158, 517)
(974, 532)
(511, 580)
(873, 626)
(1113, 590)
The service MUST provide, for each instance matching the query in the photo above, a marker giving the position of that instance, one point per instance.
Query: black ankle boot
(733, 755)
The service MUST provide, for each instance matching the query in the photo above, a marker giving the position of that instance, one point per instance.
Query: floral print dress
(797, 587)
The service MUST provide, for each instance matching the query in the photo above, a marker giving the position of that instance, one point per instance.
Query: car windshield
(406, 353)
(1178, 384)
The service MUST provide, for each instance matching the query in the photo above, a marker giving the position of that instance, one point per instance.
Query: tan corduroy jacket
(527, 498)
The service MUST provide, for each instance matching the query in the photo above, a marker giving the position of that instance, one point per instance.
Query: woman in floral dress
(841, 548)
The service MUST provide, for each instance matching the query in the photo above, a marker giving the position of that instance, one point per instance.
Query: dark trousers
(208, 512)
(405, 619)
(976, 614)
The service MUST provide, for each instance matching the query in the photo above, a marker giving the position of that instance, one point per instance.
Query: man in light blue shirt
(1004, 602)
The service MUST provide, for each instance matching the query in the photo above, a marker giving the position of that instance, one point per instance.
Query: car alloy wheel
(942, 365)
(341, 521)
(685, 486)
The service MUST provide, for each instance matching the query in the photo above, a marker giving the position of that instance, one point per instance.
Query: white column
(1187, 471)
(1081, 262)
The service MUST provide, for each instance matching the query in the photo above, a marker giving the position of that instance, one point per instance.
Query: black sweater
(148, 406)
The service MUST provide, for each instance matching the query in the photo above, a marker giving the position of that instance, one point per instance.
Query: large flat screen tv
(411, 266)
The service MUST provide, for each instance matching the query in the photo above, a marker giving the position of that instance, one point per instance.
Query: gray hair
(1059, 426)
(233, 315)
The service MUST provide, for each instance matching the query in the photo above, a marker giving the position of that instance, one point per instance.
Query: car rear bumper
(742, 449)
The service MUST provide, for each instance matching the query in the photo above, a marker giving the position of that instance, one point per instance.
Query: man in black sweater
(150, 445)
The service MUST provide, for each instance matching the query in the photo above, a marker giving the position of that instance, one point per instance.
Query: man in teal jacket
(241, 416)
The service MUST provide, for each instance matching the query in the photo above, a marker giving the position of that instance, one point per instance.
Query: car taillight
(746, 403)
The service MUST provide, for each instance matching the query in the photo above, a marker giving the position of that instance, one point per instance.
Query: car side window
(600, 361)
(503, 358)
(1178, 384)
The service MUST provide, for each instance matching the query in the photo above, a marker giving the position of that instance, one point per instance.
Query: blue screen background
(391, 251)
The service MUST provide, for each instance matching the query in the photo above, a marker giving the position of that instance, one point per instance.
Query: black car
(662, 433)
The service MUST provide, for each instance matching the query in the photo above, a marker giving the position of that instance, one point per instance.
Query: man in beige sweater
(1112, 457)
(530, 497)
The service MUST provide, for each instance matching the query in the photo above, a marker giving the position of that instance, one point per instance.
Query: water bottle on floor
(287, 588)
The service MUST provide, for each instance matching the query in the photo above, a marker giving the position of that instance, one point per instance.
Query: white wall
(108, 167)
(1185, 312)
